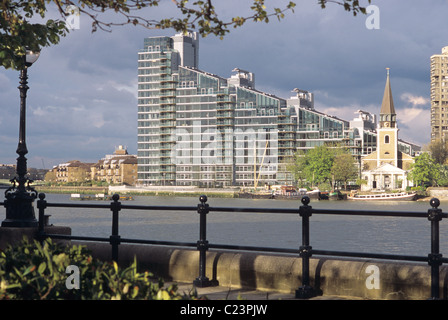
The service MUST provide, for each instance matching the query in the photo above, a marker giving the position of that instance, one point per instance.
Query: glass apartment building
(199, 129)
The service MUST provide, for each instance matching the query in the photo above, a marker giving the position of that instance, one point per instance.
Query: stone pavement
(226, 293)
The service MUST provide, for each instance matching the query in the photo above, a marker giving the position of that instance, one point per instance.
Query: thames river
(397, 235)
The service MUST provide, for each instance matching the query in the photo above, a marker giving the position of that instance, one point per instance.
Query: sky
(82, 101)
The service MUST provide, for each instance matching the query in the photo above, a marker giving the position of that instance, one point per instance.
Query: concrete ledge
(12, 236)
(282, 273)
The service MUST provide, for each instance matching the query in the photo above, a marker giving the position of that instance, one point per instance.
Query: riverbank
(185, 191)
(71, 189)
(141, 191)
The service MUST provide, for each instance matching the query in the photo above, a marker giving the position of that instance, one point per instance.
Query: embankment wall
(369, 279)
(362, 278)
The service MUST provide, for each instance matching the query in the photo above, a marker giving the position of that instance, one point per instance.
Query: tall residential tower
(439, 95)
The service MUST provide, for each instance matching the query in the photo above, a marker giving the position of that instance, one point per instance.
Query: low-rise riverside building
(117, 168)
(71, 171)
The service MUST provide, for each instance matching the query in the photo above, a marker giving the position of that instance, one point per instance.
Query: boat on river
(399, 196)
(290, 192)
(98, 196)
(256, 195)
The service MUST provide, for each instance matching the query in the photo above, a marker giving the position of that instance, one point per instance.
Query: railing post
(115, 207)
(41, 205)
(202, 245)
(435, 257)
(305, 291)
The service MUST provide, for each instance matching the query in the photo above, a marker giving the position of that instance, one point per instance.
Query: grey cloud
(325, 51)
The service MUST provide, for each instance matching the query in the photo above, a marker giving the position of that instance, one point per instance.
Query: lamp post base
(20, 210)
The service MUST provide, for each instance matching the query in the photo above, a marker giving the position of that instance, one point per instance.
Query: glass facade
(199, 129)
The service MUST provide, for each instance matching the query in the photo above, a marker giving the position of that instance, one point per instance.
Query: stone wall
(362, 278)
(369, 279)
(439, 193)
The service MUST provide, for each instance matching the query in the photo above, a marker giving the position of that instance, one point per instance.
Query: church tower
(387, 167)
(387, 143)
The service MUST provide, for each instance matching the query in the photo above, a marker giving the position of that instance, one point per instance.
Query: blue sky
(82, 100)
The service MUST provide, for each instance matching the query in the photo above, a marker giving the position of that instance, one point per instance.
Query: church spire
(387, 112)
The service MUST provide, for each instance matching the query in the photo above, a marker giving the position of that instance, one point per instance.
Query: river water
(390, 235)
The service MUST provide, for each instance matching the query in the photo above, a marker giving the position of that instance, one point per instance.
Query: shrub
(33, 271)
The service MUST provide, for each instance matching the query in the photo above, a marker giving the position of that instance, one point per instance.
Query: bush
(32, 271)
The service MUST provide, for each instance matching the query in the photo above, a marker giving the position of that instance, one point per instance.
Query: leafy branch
(18, 33)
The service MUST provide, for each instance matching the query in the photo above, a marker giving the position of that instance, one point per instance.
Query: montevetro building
(199, 129)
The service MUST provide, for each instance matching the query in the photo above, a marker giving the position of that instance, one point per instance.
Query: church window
(386, 139)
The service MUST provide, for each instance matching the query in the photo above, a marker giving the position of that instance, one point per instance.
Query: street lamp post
(20, 197)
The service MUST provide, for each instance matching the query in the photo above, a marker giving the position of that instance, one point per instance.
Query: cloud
(83, 92)
(409, 115)
(414, 125)
(414, 100)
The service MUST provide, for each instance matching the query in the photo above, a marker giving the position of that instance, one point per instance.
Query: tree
(439, 151)
(424, 170)
(344, 168)
(320, 164)
(296, 167)
(19, 31)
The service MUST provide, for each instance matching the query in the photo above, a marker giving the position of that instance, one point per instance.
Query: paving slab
(227, 293)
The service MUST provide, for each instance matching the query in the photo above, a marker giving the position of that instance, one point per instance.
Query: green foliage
(439, 151)
(323, 164)
(319, 163)
(32, 271)
(442, 175)
(349, 5)
(344, 168)
(424, 170)
(18, 33)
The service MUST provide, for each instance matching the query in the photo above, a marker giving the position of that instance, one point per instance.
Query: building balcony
(225, 115)
(225, 107)
(167, 123)
(166, 116)
(165, 162)
(167, 94)
(166, 131)
(167, 108)
(222, 123)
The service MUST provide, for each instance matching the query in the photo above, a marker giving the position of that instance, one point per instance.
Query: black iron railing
(305, 251)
